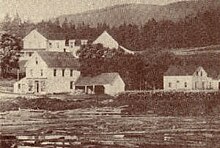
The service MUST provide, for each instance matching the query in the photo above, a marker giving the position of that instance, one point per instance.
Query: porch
(92, 89)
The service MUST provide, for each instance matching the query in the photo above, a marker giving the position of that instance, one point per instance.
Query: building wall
(21, 86)
(59, 83)
(198, 81)
(107, 41)
(40, 77)
(178, 82)
(56, 45)
(116, 87)
(34, 40)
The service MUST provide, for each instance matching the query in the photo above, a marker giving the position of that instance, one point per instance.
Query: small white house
(49, 72)
(190, 78)
(105, 83)
(38, 40)
(109, 42)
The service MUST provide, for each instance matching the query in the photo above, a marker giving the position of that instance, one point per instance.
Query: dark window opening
(54, 72)
(71, 85)
(63, 72)
(71, 73)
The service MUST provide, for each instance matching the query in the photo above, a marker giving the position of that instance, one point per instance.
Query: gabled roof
(109, 40)
(102, 79)
(60, 35)
(59, 59)
(177, 70)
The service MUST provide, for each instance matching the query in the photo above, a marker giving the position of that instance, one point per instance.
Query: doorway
(99, 89)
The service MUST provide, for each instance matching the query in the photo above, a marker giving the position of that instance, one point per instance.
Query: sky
(37, 10)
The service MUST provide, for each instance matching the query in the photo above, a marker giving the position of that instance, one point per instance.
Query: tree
(96, 59)
(9, 51)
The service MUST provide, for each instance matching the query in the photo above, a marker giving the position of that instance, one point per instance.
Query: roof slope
(59, 59)
(52, 36)
(109, 40)
(176, 70)
(102, 79)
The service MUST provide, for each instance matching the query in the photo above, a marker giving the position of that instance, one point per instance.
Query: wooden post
(93, 89)
(86, 90)
(18, 72)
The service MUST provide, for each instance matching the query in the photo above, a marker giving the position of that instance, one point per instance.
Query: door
(36, 86)
(99, 89)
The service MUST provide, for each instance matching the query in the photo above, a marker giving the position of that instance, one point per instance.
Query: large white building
(191, 78)
(38, 40)
(49, 72)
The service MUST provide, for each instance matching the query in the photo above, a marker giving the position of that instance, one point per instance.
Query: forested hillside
(201, 30)
(140, 13)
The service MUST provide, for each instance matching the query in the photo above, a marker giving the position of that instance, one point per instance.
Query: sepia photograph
(109, 73)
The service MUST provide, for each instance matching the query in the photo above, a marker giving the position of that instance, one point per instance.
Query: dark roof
(60, 59)
(102, 79)
(33, 49)
(52, 36)
(176, 70)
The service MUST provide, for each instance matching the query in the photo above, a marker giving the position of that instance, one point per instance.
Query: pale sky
(36, 10)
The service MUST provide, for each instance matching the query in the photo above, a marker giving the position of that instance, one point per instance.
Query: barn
(105, 83)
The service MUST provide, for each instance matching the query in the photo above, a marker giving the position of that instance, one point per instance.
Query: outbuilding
(105, 83)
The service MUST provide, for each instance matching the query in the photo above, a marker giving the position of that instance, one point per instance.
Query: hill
(141, 13)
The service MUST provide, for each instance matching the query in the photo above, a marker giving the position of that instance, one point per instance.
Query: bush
(171, 103)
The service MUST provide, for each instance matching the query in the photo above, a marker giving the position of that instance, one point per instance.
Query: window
(196, 85)
(19, 86)
(41, 72)
(210, 85)
(63, 72)
(30, 54)
(36, 61)
(58, 45)
(66, 42)
(31, 72)
(43, 86)
(71, 85)
(201, 73)
(54, 72)
(197, 73)
(185, 84)
(170, 85)
(177, 81)
(50, 44)
(30, 85)
(71, 73)
(78, 43)
(71, 44)
(203, 85)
